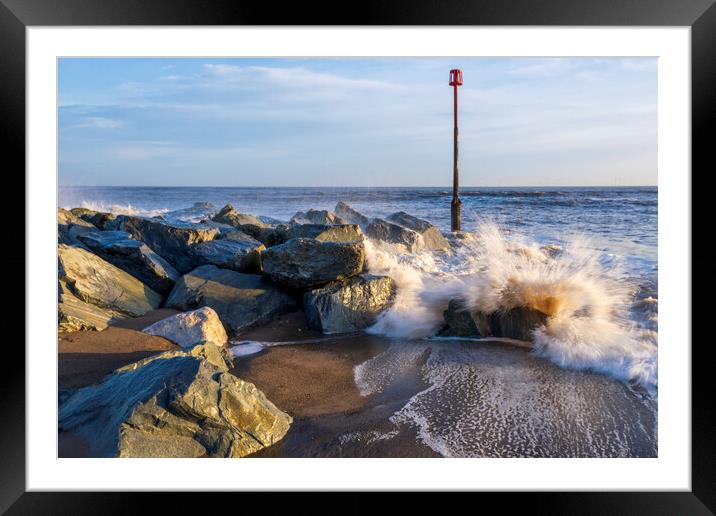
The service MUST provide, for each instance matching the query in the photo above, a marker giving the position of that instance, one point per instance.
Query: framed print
(444, 248)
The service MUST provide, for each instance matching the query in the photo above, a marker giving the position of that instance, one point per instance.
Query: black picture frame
(700, 15)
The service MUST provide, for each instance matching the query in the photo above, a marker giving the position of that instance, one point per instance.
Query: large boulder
(306, 262)
(316, 217)
(172, 242)
(100, 219)
(229, 215)
(177, 404)
(432, 238)
(134, 257)
(95, 281)
(404, 239)
(350, 305)
(515, 323)
(191, 328)
(325, 232)
(70, 226)
(74, 314)
(236, 251)
(241, 300)
(345, 212)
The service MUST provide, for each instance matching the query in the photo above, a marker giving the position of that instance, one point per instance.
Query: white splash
(593, 319)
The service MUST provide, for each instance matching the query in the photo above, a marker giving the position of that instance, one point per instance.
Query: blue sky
(356, 122)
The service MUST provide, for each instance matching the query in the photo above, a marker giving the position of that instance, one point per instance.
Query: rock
(191, 328)
(461, 322)
(100, 219)
(194, 212)
(352, 216)
(351, 305)
(241, 300)
(433, 239)
(305, 262)
(95, 281)
(176, 404)
(267, 235)
(405, 239)
(134, 257)
(171, 241)
(316, 217)
(515, 323)
(229, 215)
(70, 226)
(75, 315)
(232, 252)
(325, 233)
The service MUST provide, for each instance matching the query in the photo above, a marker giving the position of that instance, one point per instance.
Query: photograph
(341, 257)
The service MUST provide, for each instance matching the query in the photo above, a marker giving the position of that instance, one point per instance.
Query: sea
(587, 256)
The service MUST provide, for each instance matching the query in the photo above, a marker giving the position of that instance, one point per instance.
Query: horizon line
(355, 186)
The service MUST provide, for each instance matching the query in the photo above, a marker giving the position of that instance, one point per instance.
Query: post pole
(455, 205)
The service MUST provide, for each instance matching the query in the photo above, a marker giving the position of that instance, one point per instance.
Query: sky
(356, 122)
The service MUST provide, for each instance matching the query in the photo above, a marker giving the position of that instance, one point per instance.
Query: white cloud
(97, 122)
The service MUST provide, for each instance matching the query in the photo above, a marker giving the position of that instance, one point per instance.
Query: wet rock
(325, 233)
(236, 251)
(316, 217)
(229, 215)
(305, 262)
(344, 211)
(133, 257)
(191, 328)
(461, 322)
(515, 323)
(241, 300)
(405, 239)
(100, 219)
(432, 238)
(70, 226)
(351, 305)
(97, 282)
(172, 242)
(177, 404)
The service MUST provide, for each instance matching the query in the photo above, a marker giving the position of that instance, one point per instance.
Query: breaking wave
(596, 320)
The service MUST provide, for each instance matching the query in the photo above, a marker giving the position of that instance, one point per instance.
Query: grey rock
(406, 239)
(344, 211)
(237, 251)
(75, 315)
(325, 233)
(432, 238)
(229, 215)
(267, 235)
(97, 282)
(172, 242)
(70, 226)
(177, 404)
(132, 256)
(100, 219)
(316, 217)
(305, 262)
(351, 305)
(241, 300)
(515, 323)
